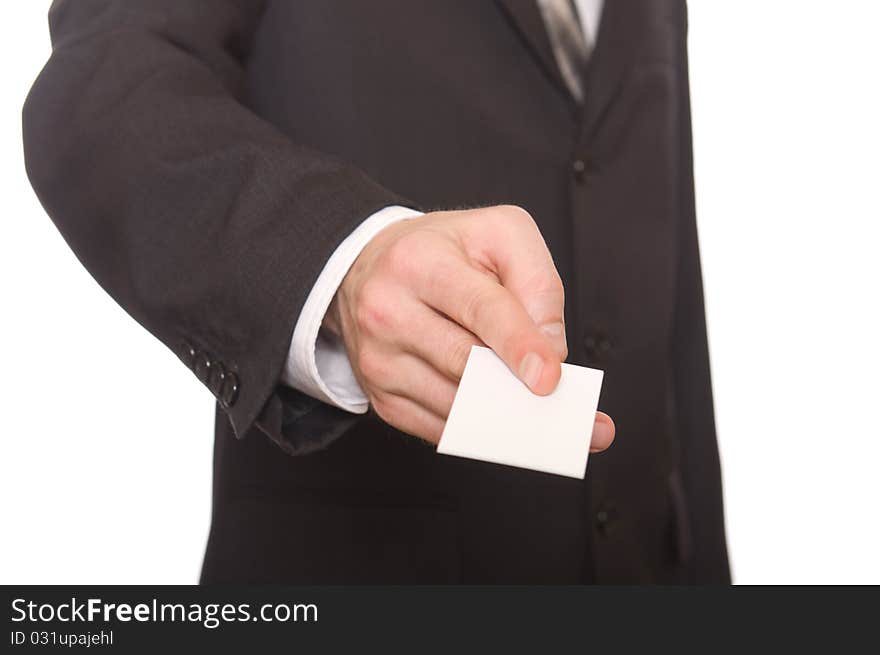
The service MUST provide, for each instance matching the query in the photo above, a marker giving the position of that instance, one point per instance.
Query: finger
(442, 343)
(488, 310)
(417, 329)
(517, 252)
(407, 416)
(603, 433)
(420, 382)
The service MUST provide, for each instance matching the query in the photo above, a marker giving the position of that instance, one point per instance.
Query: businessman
(321, 206)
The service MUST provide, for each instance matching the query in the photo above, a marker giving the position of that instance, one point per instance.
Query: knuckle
(564, 351)
(373, 312)
(376, 399)
(371, 366)
(387, 409)
(546, 284)
(458, 356)
(383, 406)
(474, 306)
(383, 411)
(551, 287)
(404, 254)
(545, 295)
(516, 213)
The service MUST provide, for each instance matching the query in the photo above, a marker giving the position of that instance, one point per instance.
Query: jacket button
(218, 377)
(606, 517)
(597, 347)
(229, 391)
(187, 353)
(578, 167)
(202, 367)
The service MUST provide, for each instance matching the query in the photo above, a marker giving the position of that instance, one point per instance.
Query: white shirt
(317, 362)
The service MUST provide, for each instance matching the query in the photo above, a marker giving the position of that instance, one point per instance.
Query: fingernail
(556, 332)
(530, 369)
(602, 434)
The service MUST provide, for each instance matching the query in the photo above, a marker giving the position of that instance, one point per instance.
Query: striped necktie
(570, 49)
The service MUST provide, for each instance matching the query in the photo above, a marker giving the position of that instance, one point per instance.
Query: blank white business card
(496, 418)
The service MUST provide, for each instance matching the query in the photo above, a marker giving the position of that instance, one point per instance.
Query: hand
(424, 290)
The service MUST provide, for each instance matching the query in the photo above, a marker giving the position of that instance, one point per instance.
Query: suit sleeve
(207, 224)
(318, 363)
(700, 467)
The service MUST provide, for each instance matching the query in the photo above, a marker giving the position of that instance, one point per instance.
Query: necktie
(570, 49)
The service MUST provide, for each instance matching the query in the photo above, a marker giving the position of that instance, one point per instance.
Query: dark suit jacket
(203, 158)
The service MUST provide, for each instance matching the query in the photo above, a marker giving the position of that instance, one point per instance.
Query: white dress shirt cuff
(317, 363)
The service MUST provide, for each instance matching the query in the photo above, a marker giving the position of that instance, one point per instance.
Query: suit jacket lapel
(622, 26)
(622, 21)
(526, 18)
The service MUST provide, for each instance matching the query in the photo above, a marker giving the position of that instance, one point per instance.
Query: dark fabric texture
(204, 158)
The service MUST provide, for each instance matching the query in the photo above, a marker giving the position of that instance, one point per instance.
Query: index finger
(481, 305)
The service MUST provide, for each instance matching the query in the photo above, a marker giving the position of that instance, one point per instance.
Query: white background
(105, 439)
